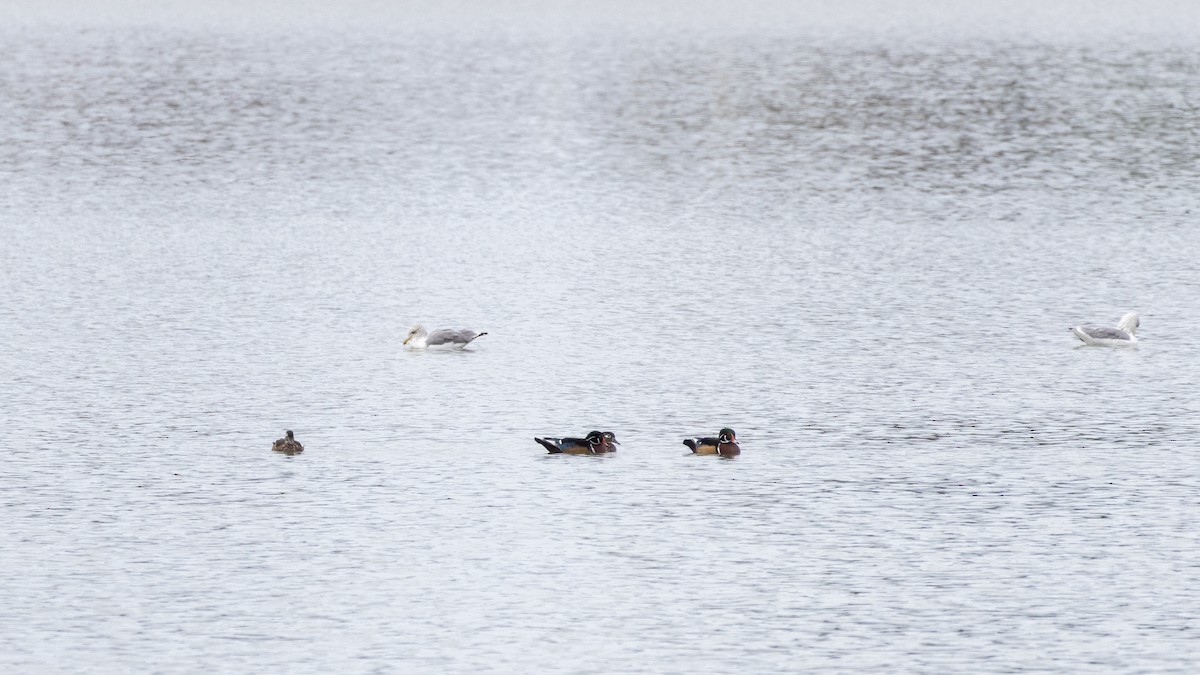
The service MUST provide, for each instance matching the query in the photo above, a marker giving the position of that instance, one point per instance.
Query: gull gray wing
(444, 336)
(1105, 333)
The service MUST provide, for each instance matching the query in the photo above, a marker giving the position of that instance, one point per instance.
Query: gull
(419, 338)
(1121, 336)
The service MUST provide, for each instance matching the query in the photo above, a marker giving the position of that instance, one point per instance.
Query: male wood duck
(610, 440)
(288, 445)
(595, 443)
(725, 444)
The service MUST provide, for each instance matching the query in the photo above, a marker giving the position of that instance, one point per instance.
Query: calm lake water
(861, 252)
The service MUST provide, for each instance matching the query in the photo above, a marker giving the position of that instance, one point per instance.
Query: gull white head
(417, 332)
(1129, 323)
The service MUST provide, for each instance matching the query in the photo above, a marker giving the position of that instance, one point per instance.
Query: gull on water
(419, 338)
(1121, 336)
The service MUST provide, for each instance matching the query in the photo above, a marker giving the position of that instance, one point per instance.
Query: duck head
(727, 435)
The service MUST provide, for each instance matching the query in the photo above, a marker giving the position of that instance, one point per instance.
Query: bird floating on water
(595, 443)
(725, 444)
(1121, 336)
(288, 444)
(419, 338)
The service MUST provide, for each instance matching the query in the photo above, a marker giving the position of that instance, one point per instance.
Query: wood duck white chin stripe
(595, 443)
(724, 444)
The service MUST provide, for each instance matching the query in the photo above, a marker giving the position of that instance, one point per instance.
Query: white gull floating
(419, 338)
(1121, 336)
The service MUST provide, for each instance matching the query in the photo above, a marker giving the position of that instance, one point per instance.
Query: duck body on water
(595, 443)
(288, 444)
(723, 444)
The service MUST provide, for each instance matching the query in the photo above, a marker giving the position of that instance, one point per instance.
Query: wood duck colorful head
(724, 444)
(594, 443)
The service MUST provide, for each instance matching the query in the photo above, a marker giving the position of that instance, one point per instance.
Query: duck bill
(406, 340)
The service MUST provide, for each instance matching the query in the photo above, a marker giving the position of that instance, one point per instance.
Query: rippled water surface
(862, 253)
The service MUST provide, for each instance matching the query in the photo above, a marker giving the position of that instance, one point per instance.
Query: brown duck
(288, 444)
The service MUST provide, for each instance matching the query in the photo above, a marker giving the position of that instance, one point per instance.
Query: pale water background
(858, 245)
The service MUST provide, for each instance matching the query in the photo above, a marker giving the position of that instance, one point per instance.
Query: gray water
(862, 251)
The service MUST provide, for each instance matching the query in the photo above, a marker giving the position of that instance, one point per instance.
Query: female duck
(288, 444)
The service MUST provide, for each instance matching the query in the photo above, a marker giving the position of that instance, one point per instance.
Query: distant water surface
(861, 253)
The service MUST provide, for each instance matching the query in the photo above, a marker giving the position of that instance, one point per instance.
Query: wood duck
(725, 444)
(610, 441)
(595, 443)
(288, 445)
(419, 338)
